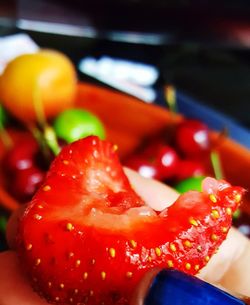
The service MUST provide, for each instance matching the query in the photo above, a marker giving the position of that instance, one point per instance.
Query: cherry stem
(170, 98)
(38, 135)
(51, 139)
(38, 106)
(216, 164)
(48, 133)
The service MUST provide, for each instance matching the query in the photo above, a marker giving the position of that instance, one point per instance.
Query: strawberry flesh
(88, 238)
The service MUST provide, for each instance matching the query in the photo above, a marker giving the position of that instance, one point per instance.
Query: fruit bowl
(129, 122)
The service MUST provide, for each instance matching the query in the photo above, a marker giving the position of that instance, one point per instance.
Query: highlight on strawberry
(87, 238)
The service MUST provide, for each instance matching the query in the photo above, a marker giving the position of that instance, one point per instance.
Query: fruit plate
(129, 122)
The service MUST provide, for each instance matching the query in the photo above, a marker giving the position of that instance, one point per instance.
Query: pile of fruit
(40, 101)
(61, 163)
(182, 160)
(37, 118)
(28, 158)
(175, 159)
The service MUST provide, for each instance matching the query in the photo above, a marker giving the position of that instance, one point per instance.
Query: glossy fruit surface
(192, 137)
(145, 166)
(21, 155)
(44, 80)
(26, 182)
(87, 237)
(74, 124)
(156, 160)
(167, 161)
(23, 168)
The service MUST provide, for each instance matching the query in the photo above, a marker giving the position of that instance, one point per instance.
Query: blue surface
(172, 287)
(215, 120)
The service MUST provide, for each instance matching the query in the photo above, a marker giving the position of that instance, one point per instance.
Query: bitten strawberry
(88, 238)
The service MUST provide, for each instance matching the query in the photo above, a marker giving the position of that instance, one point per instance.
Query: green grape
(190, 184)
(74, 124)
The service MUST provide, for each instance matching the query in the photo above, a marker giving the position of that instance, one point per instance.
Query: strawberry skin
(88, 238)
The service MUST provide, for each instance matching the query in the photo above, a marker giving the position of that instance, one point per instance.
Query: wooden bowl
(129, 121)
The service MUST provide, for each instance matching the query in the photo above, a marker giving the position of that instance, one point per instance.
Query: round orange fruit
(39, 83)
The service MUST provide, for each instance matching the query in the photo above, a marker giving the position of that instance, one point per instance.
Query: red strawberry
(87, 238)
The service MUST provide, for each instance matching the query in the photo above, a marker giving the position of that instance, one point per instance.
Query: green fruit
(190, 184)
(74, 124)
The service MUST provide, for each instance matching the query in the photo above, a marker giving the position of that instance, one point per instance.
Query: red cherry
(167, 161)
(26, 182)
(192, 137)
(152, 148)
(190, 168)
(21, 155)
(145, 167)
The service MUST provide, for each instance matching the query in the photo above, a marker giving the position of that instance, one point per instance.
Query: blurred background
(199, 46)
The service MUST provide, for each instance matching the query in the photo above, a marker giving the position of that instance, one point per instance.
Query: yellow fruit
(44, 80)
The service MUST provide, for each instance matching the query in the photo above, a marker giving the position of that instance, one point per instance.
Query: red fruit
(151, 149)
(145, 166)
(192, 137)
(190, 168)
(22, 170)
(21, 156)
(88, 238)
(167, 161)
(157, 161)
(25, 183)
